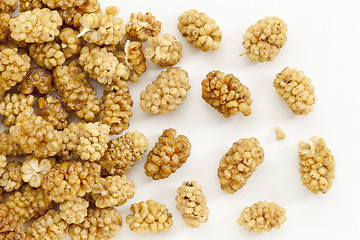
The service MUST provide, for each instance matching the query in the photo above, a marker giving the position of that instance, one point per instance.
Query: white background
(323, 41)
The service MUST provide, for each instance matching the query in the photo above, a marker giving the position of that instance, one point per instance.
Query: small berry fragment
(280, 134)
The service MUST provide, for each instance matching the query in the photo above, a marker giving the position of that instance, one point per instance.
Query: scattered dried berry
(4, 26)
(10, 179)
(12, 105)
(47, 55)
(99, 224)
(226, 94)
(64, 4)
(191, 202)
(239, 163)
(123, 152)
(116, 107)
(42, 25)
(33, 170)
(164, 50)
(296, 89)
(143, 26)
(168, 154)
(262, 216)
(70, 43)
(76, 92)
(36, 81)
(11, 226)
(317, 165)
(149, 216)
(69, 180)
(280, 134)
(167, 92)
(264, 39)
(8, 147)
(8, 5)
(200, 30)
(74, 211)
(27, 5)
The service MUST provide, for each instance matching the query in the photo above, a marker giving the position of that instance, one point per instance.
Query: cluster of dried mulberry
(74, 211)
(70, 43)
(11, 226)
(8, 147)
(48, 55)
(4, 26)
(10, 178)
(143, 26)
(12, 105)
(52, 110)
(36, 81)
(27, 5)
(164, 50)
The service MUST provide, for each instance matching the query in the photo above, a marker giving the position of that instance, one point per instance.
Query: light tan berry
(74, 211)
(99, 224)
(143, 26)
(264, 39)
(280, 134)
(200, 30)
(26, 5)
(64, 4)
(168, 154)
(11, 226)
(10, 179)
(47, 55)
(116, 107)
(239, 164)
(71, 140)
(167, 92)
(36, 81)
(12, 105)
(123, 152)
(42, 25)
(226, 94)
(70, 43)
(4, 26)
(149, 216)
(191, 202)
(296, 89)
(164, 50)
(262, 216)
(112, 10)
(75, 91)
(34, 169)
(317, 165)
(8, 147)
(8, 5)
(52, 110)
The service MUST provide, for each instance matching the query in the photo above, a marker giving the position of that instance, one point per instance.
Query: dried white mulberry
(280, 134)
(26, 5)
(10, 179)
(12, 105)
(8, 147)
(70, 43)
(36, 81)
(143, 26)
(33, 170)
(164, 50)
(8, 5)
(52, 110)
(11, 226)
(47, 55)
(4, 26)
(74, 211)
(64, 4)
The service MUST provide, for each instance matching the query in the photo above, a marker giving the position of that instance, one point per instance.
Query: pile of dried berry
(71, 176)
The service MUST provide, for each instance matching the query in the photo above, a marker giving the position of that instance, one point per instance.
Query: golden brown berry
(36, 81)
(4, 26)
(226, 94)
(167, 92)
(71, 140)
(64, 4)
(191, 202)
(8, 5)
(143, 26)
(47, 55)
(262, 216)
(317, 165)
(264, 39)
(8, 147)
(12, 105)
(10, 179)
(11, 226)
(26, 5)
(239, 163)
(33, 170)
(164, 50)
(74, 211)
(296, 89)
(200, 30)
(53, 111)
(70, 43)
(149, 216)
(168, 154)
(123, 152)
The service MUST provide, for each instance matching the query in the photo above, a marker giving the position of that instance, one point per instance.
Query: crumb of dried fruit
(26, 5)
(149, 216)
(70, 43)
(112, 10)
(70, 179)
(71, 140)
(200, 30)
(4, 26)
(226, 94)
(262, 216)
(8, 5)
(116, 107)
(113, 191)
(52, 110)
(164, 50)
(99, 224)
(93, 141)
(29, 202)
(74, 211)
(167, 92)
(11, 226)
(75, 91)
(35, 135)
(47, 55)
(132, 56)
(296, 89)
(317, 165)
(168, 154)
(49, 226)
(36, 81)
(101, 64)
(102, 29)
(8, 147)
(239, 163)
(264, 39)
(34, 169)
(13, 68)
(191, 202)
(12, 105)
(123, 152)
(143, 26)
(63, 4)
(42, 25)
(280, 134)
(10, 179)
